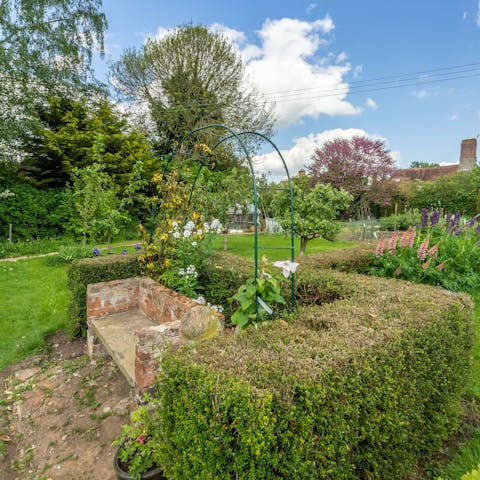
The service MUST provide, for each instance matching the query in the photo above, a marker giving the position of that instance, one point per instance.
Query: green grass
(275, 247)
(34, 300)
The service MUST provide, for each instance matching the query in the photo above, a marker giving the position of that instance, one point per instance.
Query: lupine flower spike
(380, 247)
(393, 243)
(422, 249)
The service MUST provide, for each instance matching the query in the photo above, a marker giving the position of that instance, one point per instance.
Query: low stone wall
(175, 320)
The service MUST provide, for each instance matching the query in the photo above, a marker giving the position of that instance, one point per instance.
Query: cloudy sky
(406, 72)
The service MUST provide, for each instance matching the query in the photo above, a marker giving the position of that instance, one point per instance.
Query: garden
(349, 302)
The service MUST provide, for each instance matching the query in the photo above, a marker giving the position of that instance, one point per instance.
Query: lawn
(275, 247)
(34, 300)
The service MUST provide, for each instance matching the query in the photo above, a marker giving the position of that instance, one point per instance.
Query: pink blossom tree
(362, 166)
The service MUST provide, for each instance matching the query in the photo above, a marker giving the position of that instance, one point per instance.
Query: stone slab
(117, 333)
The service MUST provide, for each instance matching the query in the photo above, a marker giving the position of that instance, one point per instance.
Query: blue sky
(324, 65)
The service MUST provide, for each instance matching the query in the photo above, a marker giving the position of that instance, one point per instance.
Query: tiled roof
(430, 173)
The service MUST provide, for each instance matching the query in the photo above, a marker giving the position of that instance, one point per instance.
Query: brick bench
(136, 320)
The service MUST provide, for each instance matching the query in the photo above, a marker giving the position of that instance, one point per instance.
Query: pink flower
(380, 248)
(393, 243)
(422, 249)
(440, 267)
(140, 439)
(411, 237)
(398, 271)
(407, 238)
(427, 264)
(433, 250)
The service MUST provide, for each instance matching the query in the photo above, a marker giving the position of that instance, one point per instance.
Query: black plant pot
(154, 474)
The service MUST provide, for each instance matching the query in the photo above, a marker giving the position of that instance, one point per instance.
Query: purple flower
(96, 252)
(447, 220)
(434, 217)
(457, 232)
(124, 252)
(472, 221)
(138, 246)
(456, 219)
(424, 218)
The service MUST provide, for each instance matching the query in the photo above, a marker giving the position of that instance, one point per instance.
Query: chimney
(301, 173)
(468, 154)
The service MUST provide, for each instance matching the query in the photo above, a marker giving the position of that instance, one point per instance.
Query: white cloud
(286, 63)
(464, 16)
(371, 103)
(299, 156)
(341, 57)
(312, 7)
(454, 116)
(421, 94)
(288, 71)
(357, 71)
(478, 15)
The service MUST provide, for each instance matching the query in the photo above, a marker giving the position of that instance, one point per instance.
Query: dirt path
(59, 415)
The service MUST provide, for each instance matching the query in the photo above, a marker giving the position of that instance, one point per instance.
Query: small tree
(361, 166)
(94, 196)
(315, 211)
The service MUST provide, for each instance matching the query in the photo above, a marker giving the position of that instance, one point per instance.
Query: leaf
(239, 318)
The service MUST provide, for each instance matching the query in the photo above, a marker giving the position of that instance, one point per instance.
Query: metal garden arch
(232, 134)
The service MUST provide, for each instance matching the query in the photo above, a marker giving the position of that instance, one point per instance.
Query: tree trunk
(303, 245)
(225, 236)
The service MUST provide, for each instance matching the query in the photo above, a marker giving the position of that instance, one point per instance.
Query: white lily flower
(287, 267)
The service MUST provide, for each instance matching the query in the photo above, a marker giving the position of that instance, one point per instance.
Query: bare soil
(59, 414)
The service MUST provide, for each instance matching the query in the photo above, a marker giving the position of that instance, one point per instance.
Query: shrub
(93, 270)
(361, 387)
(400, 222)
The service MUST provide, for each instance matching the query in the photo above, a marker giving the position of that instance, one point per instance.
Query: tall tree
(45, 46)
(64, 139)
(362, 166)
(189, 78)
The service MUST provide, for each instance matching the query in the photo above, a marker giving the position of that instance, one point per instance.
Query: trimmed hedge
(93, 270)
(358, 388)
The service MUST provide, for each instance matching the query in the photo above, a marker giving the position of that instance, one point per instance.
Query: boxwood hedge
(92, 270)
(360, 386)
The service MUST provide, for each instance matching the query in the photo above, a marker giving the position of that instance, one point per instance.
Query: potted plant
(135, 457)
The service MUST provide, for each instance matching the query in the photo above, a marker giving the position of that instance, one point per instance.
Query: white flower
(186, 233)
(206, 227)
(175, 225)
(181, 272)
(176, 235)
(287, 267)
(216, 225)
(201, 300)
(194, 244)
(199, 232)
(189, 226)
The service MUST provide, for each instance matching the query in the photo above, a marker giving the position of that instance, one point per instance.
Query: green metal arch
(237, 136)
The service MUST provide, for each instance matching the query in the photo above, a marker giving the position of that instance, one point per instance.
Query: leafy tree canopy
(362, 166)
(190, 78)
(45, 46)
(417, 164)
(65, 136)
(315, 210)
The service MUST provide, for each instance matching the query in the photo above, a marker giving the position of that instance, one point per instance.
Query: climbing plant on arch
(238, 137)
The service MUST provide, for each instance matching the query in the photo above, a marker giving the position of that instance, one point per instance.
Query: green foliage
(252, 297)
(315, 211)
(201, 79)
(69, 253)
(67, 137)
(472, 475)
(94, 270)
(45, 46)
(452, 193)
(443, 254)
(139, 440)
(350, 389)
(33, 213)
(417, 164)
(402, 221)
(97, 212)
